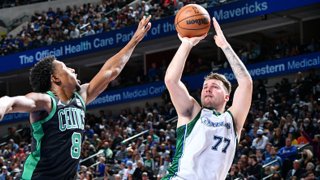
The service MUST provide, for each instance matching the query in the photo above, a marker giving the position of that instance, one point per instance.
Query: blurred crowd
(13, 3)
(280, 138)
(54, 26)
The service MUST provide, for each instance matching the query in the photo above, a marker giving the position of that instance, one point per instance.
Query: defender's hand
(143, 27)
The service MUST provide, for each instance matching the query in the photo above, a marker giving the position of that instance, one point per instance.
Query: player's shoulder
(37, 96)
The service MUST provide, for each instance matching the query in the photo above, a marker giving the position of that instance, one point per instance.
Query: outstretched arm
(28, 103)
(113, 66)
(184, 104)
(243, 94)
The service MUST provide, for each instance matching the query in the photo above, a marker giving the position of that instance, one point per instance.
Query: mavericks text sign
(252, 8)
(160, 28)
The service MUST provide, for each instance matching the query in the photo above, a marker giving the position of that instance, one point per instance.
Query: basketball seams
(191, 29)
(193, 16)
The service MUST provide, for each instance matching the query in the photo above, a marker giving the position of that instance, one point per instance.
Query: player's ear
(227, 97)
(55, 80)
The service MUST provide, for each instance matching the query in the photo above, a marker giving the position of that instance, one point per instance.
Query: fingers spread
(148, 27)
(145, 20)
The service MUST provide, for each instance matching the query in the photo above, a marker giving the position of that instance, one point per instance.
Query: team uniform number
(220, 141)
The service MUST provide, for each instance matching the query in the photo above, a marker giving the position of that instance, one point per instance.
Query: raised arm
(243, 93)
(113, 66)
(28, 103)
(184, 104)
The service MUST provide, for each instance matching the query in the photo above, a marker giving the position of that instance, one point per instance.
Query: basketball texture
(192, 20)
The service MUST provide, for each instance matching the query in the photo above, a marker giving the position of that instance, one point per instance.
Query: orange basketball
(192, 20)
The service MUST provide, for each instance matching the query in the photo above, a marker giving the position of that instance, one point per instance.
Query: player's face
(67, 76)
(213, 94)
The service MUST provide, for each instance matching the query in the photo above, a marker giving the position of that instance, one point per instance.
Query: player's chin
(207, 104)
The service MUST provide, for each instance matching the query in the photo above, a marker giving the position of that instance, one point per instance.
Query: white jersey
(205, 147)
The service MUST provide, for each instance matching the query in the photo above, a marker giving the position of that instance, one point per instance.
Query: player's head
(215, 91)
(50, 72)
(40, 75)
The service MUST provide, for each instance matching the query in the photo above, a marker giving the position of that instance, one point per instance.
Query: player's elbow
(246, 83)
(112, 74)
(169, 81)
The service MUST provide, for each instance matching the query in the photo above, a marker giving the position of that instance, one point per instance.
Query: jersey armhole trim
(81, 99)
(234, 124)
(190, 122)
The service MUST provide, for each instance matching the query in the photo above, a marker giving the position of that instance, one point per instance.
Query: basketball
(192, 20)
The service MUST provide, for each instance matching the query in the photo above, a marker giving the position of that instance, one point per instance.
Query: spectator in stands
(4, 173)
(302, 139)
(309, 174)
(145, 176)
(74, 33)
(253, 171)
(149, 162)
(150, 142)
(101, 167)
(290, 125)
(278, 140)
(137, 175)
(275, 166)
(315, 142)
(306, 157)
(288, 152)
(108, 174)
(130, 169)
(121, 154)
(296, 172)
(234, 173)
(267, 152)
(123, 172)
(107, 152)
(260, 141)
(13, 146)
(89, 132)
(117, 139)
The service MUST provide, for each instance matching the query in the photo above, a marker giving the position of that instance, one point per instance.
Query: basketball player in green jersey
(207, 133)
(57, 110)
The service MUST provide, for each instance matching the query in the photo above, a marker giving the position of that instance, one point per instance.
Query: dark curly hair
(40, 74)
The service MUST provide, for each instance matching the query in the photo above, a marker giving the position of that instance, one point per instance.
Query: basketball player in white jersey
(207, 133)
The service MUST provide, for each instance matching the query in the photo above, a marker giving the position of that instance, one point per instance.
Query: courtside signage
(260, 70)
(280, 67)
(160, 28)
(251, 8)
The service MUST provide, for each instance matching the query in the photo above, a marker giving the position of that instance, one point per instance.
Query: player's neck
(219, 110)
(62, 94)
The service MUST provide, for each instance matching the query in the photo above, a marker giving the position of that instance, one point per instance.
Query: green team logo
(71, 118)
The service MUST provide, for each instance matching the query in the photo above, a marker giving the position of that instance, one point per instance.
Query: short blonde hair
(221, 78)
